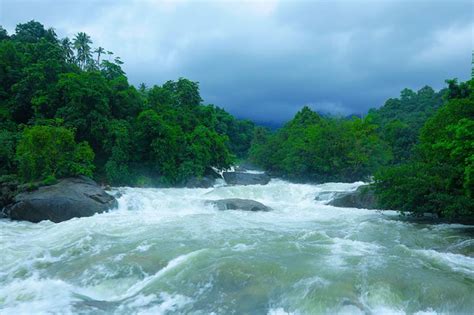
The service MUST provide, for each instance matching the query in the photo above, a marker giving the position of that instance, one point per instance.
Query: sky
(264, 60)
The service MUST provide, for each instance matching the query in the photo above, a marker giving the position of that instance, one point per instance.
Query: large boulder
(69, 198)
(239, 204)
(241, 178)
(363, 197)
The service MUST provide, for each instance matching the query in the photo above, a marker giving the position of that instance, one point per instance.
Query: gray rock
(8, 190)
(203, 182)
(363, 197)
(327, 196)
(70, 198)
(239, 204)
(241, 178)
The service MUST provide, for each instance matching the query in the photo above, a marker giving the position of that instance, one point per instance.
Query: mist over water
(166, 251)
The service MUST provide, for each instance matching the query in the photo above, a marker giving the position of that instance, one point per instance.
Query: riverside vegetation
(67, 109)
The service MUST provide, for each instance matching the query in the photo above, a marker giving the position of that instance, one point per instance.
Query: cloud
(266, 59)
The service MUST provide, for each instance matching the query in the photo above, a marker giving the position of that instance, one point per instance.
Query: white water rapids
(165, 251)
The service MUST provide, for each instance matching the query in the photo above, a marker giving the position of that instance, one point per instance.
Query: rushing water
(165, 251)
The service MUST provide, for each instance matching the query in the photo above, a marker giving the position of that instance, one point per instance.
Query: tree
(400, 120)
(67, 47)
(315, 148)
(32, 93)
(111, 70)
(82, 43)
(83, 102)
(99, 51)
(3, 34)
(439, 177)
(125, 100)
(45, 151)
(161, 135)
(8, 140)
(31, 32)
(118, 145)
(186, 92)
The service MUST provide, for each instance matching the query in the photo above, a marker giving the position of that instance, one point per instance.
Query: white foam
(109, 257)
(456, 262)
(171, 303)
(23, 296)
(279, 311)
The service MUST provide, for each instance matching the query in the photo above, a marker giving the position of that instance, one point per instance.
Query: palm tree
(99, 51)
(82, 43)
(109, 53)
(66, 44)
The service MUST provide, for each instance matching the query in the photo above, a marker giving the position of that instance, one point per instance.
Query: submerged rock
(239, 204)
(70, 198)
(327, 196)
(200, 182)
(363, 197)
(241, 178)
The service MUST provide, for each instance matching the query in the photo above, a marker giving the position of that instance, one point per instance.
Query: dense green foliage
(45, 151)
(439, 178)
(420, 147)
(399, 120)
(67, 108)
(316, 148)
(158, 135)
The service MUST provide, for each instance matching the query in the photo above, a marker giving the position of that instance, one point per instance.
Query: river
(166, 251)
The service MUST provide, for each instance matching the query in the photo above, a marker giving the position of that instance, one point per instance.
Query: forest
(418, 150)
(67, 109)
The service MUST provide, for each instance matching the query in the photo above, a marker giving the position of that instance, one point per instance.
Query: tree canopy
(439, 178)
(161, 135)
(67, 108)
(316, 148)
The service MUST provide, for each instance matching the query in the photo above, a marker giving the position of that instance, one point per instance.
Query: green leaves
(439, 178)
(82, 43)
(311, 147)
(51, 151)
(399, 120)
(8, 140)
(161, 135)
(177, 155)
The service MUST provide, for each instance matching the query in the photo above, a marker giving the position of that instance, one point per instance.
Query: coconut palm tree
(109, 53)
(99, 51)
(66, 44)
(82, 43)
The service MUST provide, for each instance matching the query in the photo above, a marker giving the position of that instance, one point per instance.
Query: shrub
(51, 152)
(7, 151)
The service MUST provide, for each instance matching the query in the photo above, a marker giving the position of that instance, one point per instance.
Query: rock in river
(243, 178)
(363, 197)
(69, 198)
(239, 204)
(200, 182)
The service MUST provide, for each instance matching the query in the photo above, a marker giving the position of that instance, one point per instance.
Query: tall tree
(67, 46)
(82, 43)
(3, 33)
(31, 32)
(99, 51)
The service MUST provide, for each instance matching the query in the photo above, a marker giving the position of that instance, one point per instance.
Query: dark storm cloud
(266, 59)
